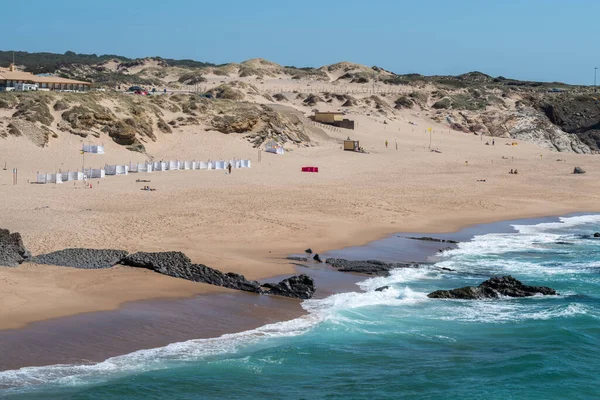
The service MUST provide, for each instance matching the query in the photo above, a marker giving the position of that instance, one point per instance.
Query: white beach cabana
(273, 147)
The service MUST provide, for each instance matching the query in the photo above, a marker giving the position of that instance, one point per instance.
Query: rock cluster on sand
(178, 265)
(300, 287)
(12, 250)
(370, 267)
(298, 258)
(82, 258)
(492, 289)
(578, 170)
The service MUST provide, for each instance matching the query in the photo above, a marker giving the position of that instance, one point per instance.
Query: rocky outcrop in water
(82, 258)
(178, 265)
(12, 249)
(370, 267)
(298, 287)
(430, 239)
(492, 289)
(381, 289)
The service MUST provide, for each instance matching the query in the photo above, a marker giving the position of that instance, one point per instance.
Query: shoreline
(135, 325)
(178, 288)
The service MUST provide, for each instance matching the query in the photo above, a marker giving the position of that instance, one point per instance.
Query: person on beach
(229, 168)
(386, 144)
(493, 142)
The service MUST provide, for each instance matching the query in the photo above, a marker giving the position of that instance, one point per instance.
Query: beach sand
(249, 221)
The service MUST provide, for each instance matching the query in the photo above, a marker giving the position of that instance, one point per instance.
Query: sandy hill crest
(473, 102)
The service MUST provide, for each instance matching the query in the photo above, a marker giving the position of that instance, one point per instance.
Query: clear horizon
(538, 41)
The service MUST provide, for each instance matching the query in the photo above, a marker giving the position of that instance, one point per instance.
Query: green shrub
(404, 102)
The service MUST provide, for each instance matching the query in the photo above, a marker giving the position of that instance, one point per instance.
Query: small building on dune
(328, 117)
(351, 145)
(273, 147)
(333, 118)
(11, 79)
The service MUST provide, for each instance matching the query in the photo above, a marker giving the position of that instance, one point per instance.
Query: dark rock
(381, 289)
(430, 239)
(578, 170)
(204, 274)
(295, 258)
(370, 267)
(446, 269)
(578, 114)
(178, 265)
(12, 249)
(445, 249)
(82, 258)
(492, 289)
(308, 251)
(565, 243)
(298, 287)
(317, 258)
(597, 235)
(172, 263)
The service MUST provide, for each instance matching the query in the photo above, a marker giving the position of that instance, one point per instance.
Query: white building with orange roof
(10, 79)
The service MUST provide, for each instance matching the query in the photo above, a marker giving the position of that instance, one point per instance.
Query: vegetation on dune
(357, 77)
(34, 109)
(61, 105)
(226, 92)
(312, 100)
(50, 62)
(163, 126)
(305, 73)
(279, 97)
(249, 71)
(191, 78)
(404, 102)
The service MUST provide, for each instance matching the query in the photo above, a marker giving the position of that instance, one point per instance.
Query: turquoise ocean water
(394, 344)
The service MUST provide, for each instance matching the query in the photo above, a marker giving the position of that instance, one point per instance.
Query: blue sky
(548, 40)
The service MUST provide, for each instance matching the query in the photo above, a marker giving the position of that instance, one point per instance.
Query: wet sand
(96, 336)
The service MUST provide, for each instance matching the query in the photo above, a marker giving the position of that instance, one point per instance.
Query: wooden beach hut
(351, 145)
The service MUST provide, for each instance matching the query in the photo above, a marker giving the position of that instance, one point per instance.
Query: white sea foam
(164, 357)
(564, 223)
(400, 275)
(508, 266)
(501, 243)
(491, 253)
(526, 238)
(153, 359)
(510, 311)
